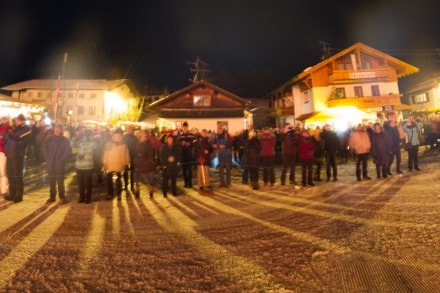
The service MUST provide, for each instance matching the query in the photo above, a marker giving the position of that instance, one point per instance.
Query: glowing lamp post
(69, 114)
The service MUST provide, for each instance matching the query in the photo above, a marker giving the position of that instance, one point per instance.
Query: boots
(255, 186)
(137, 191)
(384, 172)
(151, 191)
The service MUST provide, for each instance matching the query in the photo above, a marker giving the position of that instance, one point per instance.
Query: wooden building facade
(358, 76)
(204, 106)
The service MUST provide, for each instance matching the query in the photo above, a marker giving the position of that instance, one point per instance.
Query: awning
(321, 117)
(306, 116)
(348, 113)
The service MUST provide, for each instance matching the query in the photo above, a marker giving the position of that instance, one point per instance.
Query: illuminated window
(80, 110)
(375, 91)
(358, 93)
(420, 98)
(340, 92)
(344, 63)
(92, 110)
(93, 96)
(70, 95)
(223, 124)
(307, 96)
(40, 94)
(82, 95)
(29, 94)
(202, 101)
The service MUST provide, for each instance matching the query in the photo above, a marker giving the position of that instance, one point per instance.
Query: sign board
(379, 109)
(366, 74)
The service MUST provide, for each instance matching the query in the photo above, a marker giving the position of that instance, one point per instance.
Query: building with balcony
(76, 100)
(358, 76)
(424, 95)
(204, 106)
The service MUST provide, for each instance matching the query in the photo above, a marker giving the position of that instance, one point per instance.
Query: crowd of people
(126, 159)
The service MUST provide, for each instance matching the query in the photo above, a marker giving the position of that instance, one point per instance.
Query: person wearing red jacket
(146, 162)
(268, 143)
(306, 148)
(4, 133)
(203, 151)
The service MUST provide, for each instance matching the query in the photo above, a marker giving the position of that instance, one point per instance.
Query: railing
(356, 75)
(366, 102)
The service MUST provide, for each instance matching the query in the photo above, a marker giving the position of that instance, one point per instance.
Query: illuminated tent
(341, 117)
(340, 112)
(11, 107)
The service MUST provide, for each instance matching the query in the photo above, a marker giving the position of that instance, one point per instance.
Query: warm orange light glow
(341, 117)
(114, 105)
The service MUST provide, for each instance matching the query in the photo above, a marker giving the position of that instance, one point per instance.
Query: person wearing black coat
(15, 151)
(186, 141)
(56, 152)
(395, 137)
(253, 149)
(332, 146)
(379, 150)
(131, 141)
(170, 161)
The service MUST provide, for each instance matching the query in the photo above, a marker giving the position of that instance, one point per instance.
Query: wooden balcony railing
(364, 74)
(366, 102)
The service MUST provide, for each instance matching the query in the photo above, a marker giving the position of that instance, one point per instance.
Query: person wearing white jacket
(360, 143)
(412, 130)
(115, 159)
(84, 166)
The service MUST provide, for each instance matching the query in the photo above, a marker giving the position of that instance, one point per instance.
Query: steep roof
(195, 85)
(81, 84)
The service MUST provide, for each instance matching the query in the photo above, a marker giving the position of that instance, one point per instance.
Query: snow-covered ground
(380, 235)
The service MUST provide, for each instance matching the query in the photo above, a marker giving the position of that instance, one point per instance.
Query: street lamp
(69, 114)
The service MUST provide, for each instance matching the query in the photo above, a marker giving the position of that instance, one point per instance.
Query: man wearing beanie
(14, 150)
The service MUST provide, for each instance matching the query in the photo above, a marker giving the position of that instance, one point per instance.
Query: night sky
(151, 42)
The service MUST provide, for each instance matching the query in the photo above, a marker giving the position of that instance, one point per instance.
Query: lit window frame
(202, 101)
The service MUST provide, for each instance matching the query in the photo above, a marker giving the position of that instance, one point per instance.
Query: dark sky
(151, 41)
